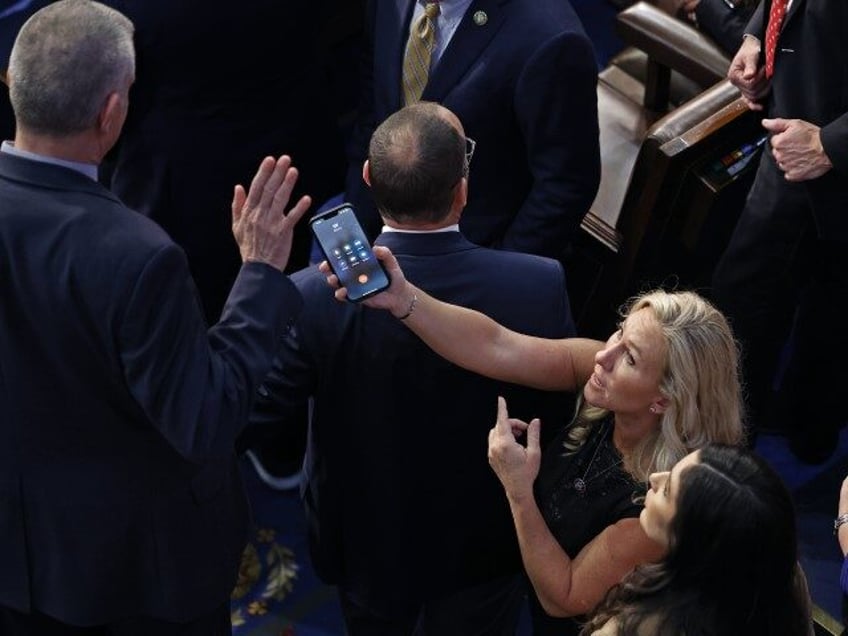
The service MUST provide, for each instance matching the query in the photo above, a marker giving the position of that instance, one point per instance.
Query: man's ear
(110, 116)
(460, 195)
(366, 173)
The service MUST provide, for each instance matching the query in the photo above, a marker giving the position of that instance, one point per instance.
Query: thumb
(384, 255)
(776, 125)
(749, 67)
(533, 430)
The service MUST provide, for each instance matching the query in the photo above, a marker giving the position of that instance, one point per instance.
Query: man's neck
(77, 148)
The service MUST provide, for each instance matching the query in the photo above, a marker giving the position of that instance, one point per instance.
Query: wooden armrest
(670, 44)
(699, 116)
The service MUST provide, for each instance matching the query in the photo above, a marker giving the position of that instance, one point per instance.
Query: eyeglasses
(470, 145)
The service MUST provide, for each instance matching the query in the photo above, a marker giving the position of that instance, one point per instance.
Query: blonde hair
(700, 379)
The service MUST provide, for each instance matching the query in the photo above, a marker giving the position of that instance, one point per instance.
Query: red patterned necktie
(776, 15)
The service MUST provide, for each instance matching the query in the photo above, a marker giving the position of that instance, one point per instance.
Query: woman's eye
(630, 359)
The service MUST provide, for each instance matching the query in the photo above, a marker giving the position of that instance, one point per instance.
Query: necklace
(580, 483)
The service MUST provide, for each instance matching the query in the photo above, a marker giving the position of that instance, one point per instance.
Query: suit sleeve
(195, 386)
(756, 25)
(834, 138)
(556, 105)
(723, 24)
(282, 398)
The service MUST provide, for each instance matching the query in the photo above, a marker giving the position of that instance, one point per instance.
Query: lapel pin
(480, 18)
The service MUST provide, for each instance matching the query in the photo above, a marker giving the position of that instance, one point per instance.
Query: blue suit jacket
(119, 492)
(524, 87)
(401, 502)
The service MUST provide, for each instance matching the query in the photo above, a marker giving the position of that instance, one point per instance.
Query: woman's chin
(591, 397)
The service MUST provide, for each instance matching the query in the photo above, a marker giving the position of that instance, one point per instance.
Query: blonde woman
(665, 383)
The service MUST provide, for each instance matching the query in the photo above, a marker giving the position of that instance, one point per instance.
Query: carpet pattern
(278, 593)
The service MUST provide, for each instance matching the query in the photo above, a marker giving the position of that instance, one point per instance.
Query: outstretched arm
(475, 342)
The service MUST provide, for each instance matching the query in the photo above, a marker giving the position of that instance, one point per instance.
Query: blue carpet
(279, 593)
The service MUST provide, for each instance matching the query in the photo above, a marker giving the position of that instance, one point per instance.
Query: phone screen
(348, 252)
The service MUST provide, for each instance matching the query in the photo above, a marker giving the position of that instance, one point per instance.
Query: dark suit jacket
(218, 87)
(810, 82)
(724, 24)
(524, 87)
(401, 502)
(119, 493)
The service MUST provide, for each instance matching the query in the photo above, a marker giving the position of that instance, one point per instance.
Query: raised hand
(515, 465)
(261, 226)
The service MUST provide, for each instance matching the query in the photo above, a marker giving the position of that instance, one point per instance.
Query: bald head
(416, 163)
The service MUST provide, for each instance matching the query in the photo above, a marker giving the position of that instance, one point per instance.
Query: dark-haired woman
(731, 567)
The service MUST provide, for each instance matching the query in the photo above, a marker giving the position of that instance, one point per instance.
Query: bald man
(405, 516)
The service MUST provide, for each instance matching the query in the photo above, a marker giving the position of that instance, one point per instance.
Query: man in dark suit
(722, 20)
(404, 514)
(788, 257)
(217, 86)
(521, 76)
(121, 506)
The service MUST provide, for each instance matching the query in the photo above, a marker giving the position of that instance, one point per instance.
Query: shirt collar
(88, 169)
(449, 228)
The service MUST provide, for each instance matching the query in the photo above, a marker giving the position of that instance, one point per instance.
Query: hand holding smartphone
(348, 252)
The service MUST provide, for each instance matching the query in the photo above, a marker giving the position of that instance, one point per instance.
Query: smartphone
(348, 252)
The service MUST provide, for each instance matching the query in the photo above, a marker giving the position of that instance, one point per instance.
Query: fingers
(296, 213)
(257, 185)
(517, 426)
(502, 423)
(239, 196)
(280, 185)
(533, 435)
(275, 192)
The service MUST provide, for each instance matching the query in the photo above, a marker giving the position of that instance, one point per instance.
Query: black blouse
(579, 494)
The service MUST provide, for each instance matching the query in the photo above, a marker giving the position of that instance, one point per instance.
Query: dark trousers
(490, 609)
(778, 278)
(216, 623)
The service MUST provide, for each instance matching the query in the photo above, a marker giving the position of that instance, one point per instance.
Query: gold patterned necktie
(416, 62)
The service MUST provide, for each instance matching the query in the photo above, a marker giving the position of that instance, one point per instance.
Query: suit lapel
(468, 43)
